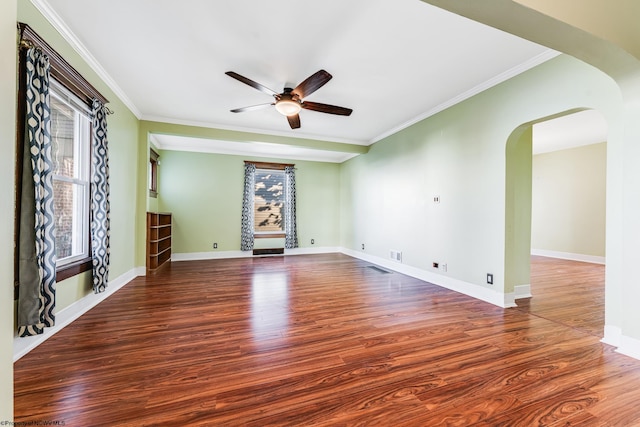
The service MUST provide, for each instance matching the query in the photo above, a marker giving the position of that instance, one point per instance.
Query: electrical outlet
(436, 265)
(363, 246)
(215, 246)
(443, 267)
(436, 199)
(490, 278)
(313, 241)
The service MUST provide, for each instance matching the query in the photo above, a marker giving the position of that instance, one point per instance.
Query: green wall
(460, 155)
(569, 195)
(204, 193)
(517, 259)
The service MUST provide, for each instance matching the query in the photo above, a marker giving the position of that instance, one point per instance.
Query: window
(70, 141)
(269, 201)
(71, 97)
(153, 173)
(268, 204)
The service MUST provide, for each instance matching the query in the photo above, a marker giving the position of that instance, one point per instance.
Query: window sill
(73, 269)
(269, 235)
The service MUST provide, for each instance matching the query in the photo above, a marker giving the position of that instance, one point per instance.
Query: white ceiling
(394, 62)
(570, 131)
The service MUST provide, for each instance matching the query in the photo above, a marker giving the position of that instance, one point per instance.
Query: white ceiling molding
(50, 14)
(251, 130)
(520, 68)
(252, 149)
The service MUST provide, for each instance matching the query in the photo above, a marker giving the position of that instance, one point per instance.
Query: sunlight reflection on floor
(269, 304)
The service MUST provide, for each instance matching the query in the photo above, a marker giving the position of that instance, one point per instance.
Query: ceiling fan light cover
(288, 107)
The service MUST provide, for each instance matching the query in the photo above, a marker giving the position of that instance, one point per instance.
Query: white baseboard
(522, 291)
(624, 344)
(629, 347)
(612, 335)
(197, 256)
(569, 256)
(22, 346)
(475, 291)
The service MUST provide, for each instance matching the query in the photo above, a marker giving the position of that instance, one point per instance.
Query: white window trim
(81, 228)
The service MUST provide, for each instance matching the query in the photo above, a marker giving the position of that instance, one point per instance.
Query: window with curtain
(62, 210)
(269, 202)
(74, 132)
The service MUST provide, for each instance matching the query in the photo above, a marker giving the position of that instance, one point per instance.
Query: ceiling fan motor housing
(287, 103)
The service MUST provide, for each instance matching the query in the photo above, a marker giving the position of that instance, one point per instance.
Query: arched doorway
(560, 216)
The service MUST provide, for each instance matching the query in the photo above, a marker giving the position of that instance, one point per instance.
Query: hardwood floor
(325, 340)
(568, 292)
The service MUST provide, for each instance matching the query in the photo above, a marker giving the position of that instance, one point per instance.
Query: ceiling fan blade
(252, 108)
(311, 84)
(326, 108)
(251, 83)
(294, 121)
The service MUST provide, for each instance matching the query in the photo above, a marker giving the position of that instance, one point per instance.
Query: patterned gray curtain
(290, 227)
(246, 243)
(100, 208)
(37, 254)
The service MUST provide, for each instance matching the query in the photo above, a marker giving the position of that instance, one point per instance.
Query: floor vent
(378, 269)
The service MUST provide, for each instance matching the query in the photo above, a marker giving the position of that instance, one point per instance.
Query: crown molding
(245, 129)
(506, 75)
(56, 21)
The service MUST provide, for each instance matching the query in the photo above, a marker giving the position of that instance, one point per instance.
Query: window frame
(64, 74)
(269, 166)
(82, 177)
(154, 161)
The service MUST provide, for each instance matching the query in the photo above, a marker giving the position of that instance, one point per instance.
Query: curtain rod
(269, 165)
(61, 70)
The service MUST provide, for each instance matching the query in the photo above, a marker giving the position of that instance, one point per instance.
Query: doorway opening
(563, 188)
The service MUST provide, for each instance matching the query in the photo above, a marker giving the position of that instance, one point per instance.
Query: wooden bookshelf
(158, 240)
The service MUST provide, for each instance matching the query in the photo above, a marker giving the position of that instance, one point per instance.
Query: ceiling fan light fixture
(288, 107)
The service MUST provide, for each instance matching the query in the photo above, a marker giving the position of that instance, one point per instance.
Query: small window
(70, 141)
(153, 173)
(269, 201)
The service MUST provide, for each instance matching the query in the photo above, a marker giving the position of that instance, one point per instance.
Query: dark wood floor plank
(325, 340)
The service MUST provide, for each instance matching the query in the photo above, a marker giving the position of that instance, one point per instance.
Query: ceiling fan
(291, 101)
